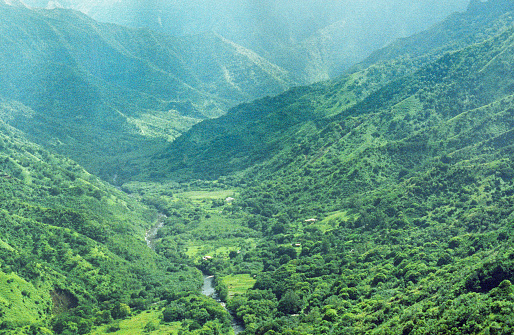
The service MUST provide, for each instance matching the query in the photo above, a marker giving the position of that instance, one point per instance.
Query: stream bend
(208, 288)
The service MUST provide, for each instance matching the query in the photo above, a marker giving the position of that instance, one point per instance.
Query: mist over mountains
(314, 40)
(87, 83)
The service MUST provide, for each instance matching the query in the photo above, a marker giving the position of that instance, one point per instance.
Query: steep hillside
(254, 133)
(89, 83)
(480, 21)
(385, 199)
(72, 248)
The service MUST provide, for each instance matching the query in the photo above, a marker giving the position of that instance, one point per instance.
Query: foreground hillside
(385, 199)
(73, 252)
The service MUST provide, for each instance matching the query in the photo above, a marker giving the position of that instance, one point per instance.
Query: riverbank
(208, 287)
(209, 290)
(151, 234)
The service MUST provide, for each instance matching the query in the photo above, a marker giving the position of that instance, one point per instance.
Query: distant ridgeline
(85, 85)
(312, 39)
(488, 5)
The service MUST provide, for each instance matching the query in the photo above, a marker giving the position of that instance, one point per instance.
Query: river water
(209, 290)
(151, 234)
(208, 281)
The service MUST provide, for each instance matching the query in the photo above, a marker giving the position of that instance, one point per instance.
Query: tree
(174, 312)
(120, 311)
(150, 326)
(290, 303)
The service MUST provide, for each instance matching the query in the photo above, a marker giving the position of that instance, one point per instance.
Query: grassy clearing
(194, 250)
(238, 284)
(218, 235)
(20, 302)
(331, 221)
(218, 248)
(208, 195)
(137, 323)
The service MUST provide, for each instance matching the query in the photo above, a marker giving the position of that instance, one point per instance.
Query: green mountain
(89, 85)
(384, 198)
(481, 21)
(377, 203)
(255, 133)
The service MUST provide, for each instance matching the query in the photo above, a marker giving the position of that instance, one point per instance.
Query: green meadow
(238, 284)
(146, 322)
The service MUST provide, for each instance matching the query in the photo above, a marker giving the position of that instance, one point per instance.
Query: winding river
(151, 234)
(208, 288)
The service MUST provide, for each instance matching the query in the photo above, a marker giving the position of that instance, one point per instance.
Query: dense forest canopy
(137, 164)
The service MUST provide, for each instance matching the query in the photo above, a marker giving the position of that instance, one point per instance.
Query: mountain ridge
(117, 81)
(354, 93)
(291, 35)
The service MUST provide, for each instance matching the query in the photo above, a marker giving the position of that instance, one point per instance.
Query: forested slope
(481, 21)
(73, 251)
(385, 199)
(254, 133)
(69, 241)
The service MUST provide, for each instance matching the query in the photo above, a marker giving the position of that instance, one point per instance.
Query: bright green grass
(198, 249)
(334, 218)
(193, 250)
(238, 284)
(221, 234)
(410, 105)
(331, 221)
(20, 301)
(208, 195)
(136, 325)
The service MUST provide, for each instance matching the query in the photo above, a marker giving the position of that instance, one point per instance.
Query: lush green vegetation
(384, 206)
(84, 85)
(149, 321)
(72, 250)
(237, 284)
(378, 203)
